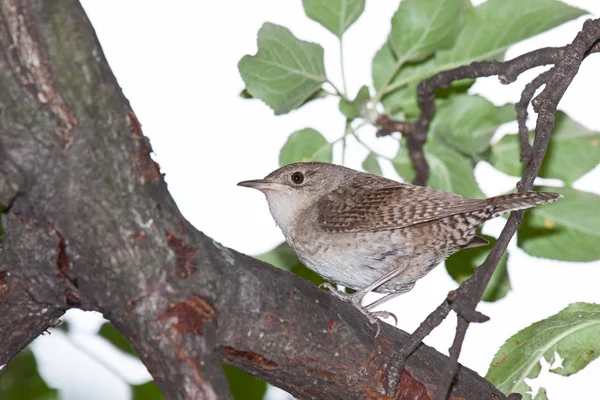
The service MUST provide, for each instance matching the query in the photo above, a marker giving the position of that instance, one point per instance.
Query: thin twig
(452, 365)
(394, 371)
(521, 108)
(507, 72)
(526, 96)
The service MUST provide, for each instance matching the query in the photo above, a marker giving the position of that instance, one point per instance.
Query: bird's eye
(297, 177)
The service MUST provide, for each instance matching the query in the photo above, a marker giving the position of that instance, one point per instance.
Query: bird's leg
(383, 299)
(390, 296)
(356, 298)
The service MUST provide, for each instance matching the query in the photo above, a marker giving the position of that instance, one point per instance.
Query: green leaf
(20, 380)
(567, 139)
(405, 99)
(383, 65)
(397, 102)
(285, 71)
(319, 94)
(358, 106)
(541, 394)
(421, 27)
(147, 391)
(335, 15)
(566, 230)
(450, 171)
(371, 164)
(108, 332)
(244, 386)
(489, 29)
(462, 264)
(573, 333)
(494, 25)
(283, 257)
(305, 145)
(469, 122)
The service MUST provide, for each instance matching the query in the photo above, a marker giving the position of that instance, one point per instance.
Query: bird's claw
(373, 317)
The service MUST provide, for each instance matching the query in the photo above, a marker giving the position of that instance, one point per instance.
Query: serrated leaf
(108, 332)
(566, 230)
(146, 391)
(335, 15)
(567, 139)
(573, 333)
(469, 122)
(285, 71)
(244, 386)
(371, 164)
(283, 257)
(494, 25)
(462, 264)
(305, 145)
(489, 29)
(421, 27)
(450, 171)
(20, 380)
(357, 107)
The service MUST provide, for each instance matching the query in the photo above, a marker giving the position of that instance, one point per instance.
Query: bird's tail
(520, 201)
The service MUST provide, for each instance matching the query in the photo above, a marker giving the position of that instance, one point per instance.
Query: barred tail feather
(521, 201)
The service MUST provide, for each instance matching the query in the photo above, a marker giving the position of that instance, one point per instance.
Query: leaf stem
(337, 91)
(342, 66)
(383, 88)
(347, 130)
(330, 93)
(359, 140)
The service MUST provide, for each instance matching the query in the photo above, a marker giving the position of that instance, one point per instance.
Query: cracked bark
(89, 223)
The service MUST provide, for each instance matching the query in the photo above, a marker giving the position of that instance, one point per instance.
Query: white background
(176, 62)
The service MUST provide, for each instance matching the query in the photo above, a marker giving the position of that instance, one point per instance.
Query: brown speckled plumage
(352, 227)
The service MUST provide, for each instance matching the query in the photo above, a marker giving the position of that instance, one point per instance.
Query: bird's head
(295, 187)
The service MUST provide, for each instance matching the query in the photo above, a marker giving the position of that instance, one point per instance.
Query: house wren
(374, 234)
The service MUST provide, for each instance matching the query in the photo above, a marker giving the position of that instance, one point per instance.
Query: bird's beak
(261, 184)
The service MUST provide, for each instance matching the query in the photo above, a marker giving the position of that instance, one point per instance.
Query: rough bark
(89, 223)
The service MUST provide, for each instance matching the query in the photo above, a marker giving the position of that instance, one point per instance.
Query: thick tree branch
(90, 224)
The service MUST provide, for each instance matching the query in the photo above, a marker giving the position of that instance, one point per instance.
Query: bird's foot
(372, 316)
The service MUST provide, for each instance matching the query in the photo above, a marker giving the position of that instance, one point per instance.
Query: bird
(370, 233)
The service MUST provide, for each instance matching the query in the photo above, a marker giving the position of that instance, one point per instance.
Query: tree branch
(465, 299)
(507, 72)
(90, 224)
(521, 108)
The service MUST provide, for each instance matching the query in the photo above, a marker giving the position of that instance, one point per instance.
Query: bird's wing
(361, 209)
